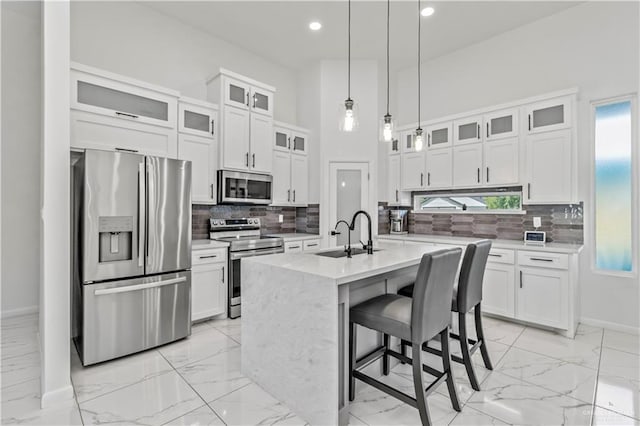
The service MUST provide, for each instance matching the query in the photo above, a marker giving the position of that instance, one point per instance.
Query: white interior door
(348, 193)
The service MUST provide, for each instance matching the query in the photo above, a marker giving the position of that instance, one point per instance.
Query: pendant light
(419, 139)
(349, 110)
(388, 125)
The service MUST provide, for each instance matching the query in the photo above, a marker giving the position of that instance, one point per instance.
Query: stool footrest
(407, 399)
(370, 357)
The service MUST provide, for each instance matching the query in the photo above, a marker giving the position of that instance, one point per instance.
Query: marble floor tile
(471, 417)
(516, 402)
(619, 382)
(606, 417)
(203, 416)
(20, 325)
(19, 345)
(215, 376)
(495, 329)
(20, 369)
(197, 347)
(230, 327)
(154, 401)
(583, 350)
(251, 405)
(559, 376)
(354, 421)
(621, 341)
(95, 380)
(200, 326)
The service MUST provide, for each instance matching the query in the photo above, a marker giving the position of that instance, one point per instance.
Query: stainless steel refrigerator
(132, 259)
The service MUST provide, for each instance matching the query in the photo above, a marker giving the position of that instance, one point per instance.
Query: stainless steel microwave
(243, 187)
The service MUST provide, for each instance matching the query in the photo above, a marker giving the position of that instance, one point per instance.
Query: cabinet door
(549, 163)
(439, 168)
(235, 141)
(439, 135)
(468, 130)
(498, 290)
(311, 245)
(501, 161)
(208, 290)
(407, 141)
(281, 178)
(294, 247)
(413, 170)
(299, 179)
(549, 115)
(281, 139)
(236, 93)
(196, 120)
(393, 180)
(299, 142)
(261, 101)
(543, 296)
(467, 165)
(201, 152)
(261, 134)
(501, 124)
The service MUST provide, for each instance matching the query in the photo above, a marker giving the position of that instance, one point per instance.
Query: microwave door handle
(141, 213)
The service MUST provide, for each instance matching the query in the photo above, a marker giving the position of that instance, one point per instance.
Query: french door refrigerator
(132, 232)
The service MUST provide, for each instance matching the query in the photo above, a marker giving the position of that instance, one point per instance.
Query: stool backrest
(472, 270)
(432, 293)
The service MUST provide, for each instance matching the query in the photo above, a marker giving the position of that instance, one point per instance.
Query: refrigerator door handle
(136, 287)
(142, 214)
(146, 220)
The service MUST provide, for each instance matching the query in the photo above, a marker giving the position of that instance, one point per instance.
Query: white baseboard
(57, 397)
(19, 311)
(610, 325)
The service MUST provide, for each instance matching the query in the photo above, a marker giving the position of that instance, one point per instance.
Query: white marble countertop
(207, 244)
(503, 244)
(296, 236)
(344, 270)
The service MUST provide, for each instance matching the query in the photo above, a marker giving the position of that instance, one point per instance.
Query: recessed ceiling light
(427, 11)
(315, 26)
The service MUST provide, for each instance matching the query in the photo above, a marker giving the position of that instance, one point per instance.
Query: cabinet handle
(396, 195)
(289, 147)
(487, 129)
(428, 178)
(253, 156)
(520, 279)
(478, 174)
(294, 247)
(246, 161)
(495, 255)
(294, 195)
(212, 194)
(208, 257)
(223, 280)
(124, 114)
(421, 179)
(312, 245)
(212, 127)
(529, 191)
(529, 116)
(428, 139)
(126, 150)
(247, 98)
(288, 195)
(541, 259)
(478, 131)
(487, 175)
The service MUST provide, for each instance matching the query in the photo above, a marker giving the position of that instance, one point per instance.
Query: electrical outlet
(537, 222)
(280, 218)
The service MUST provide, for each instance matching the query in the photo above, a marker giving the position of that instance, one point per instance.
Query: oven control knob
(215, 222)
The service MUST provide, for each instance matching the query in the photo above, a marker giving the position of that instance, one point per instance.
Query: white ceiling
(278, 30)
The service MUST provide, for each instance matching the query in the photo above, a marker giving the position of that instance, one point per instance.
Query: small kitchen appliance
(243, 236)
(398, 221)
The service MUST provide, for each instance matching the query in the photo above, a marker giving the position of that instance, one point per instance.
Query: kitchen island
(295, 322)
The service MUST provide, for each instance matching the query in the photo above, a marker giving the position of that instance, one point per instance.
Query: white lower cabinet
(311, 245)
(542, 296)
(498, 289)
(208, 283)
(294, 247)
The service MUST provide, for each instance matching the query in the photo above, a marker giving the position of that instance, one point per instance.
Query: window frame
(635, 187)
(469, 193)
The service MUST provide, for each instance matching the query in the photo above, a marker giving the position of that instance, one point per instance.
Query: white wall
(137, 41)
(593, 46)
(21, 124)
(309, 116)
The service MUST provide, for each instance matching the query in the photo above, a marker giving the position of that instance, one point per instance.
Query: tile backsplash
(563, 223)
(295, 219)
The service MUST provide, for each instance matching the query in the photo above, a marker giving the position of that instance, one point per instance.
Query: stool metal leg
(446, 364)
(385, 357)
(464, 346)
(418, 384)
(352, 360)
(480, 334)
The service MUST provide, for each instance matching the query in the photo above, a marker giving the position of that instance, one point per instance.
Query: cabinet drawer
(293, 247)
(311, 245)
(200, 257)
(501, 256)
(543, 259)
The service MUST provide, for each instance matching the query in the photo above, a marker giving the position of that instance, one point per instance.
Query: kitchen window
(613, 191)
(496, 201)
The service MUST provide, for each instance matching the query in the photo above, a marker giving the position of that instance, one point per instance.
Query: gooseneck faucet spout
(348, 248)
(369, 245)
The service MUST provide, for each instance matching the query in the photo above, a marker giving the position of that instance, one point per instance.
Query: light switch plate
(280, 218)
(537, 222)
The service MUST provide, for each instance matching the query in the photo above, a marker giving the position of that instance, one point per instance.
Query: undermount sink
(341, 253)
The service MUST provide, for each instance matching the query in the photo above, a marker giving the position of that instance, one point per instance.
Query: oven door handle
(257, 252)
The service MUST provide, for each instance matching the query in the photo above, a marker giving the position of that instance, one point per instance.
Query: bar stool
(467, 295)
(416, 320)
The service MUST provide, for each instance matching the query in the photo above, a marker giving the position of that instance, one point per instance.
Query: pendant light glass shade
(387, 128)
(419, 140)
(348, 116)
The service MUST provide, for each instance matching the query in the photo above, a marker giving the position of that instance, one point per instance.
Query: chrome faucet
(369, 246)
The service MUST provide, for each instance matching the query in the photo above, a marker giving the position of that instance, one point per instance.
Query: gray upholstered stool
(416, 320)
(466, 296)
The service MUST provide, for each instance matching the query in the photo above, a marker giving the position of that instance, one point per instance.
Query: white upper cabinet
(281, 139)
(501, 124)
(261, 133)
(413, 171)
(290, 165)
(501, 160)
(467, 165)
(439, 168)
(439, 135)
(299, 179)
(236, 138)
(197, 118)
(407, 141)
(299, 142)
(467, 130)
(395, 195)
(281, 192)
(236, 93)
(549, 168)
(289, 138)
(553, 114)
(261, 101)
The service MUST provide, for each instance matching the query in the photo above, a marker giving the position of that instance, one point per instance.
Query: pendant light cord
(388, 13)
(419, 64)
(349, 56)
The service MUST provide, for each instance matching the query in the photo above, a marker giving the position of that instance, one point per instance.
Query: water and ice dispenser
(116, 237)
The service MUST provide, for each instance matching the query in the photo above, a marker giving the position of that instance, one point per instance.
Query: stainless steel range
(243, 236)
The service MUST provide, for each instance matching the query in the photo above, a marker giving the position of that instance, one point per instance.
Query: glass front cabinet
(554, 114)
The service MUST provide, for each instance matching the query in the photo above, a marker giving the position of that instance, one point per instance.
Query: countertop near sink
(503, 244)
(207, 244)
(296, 236)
